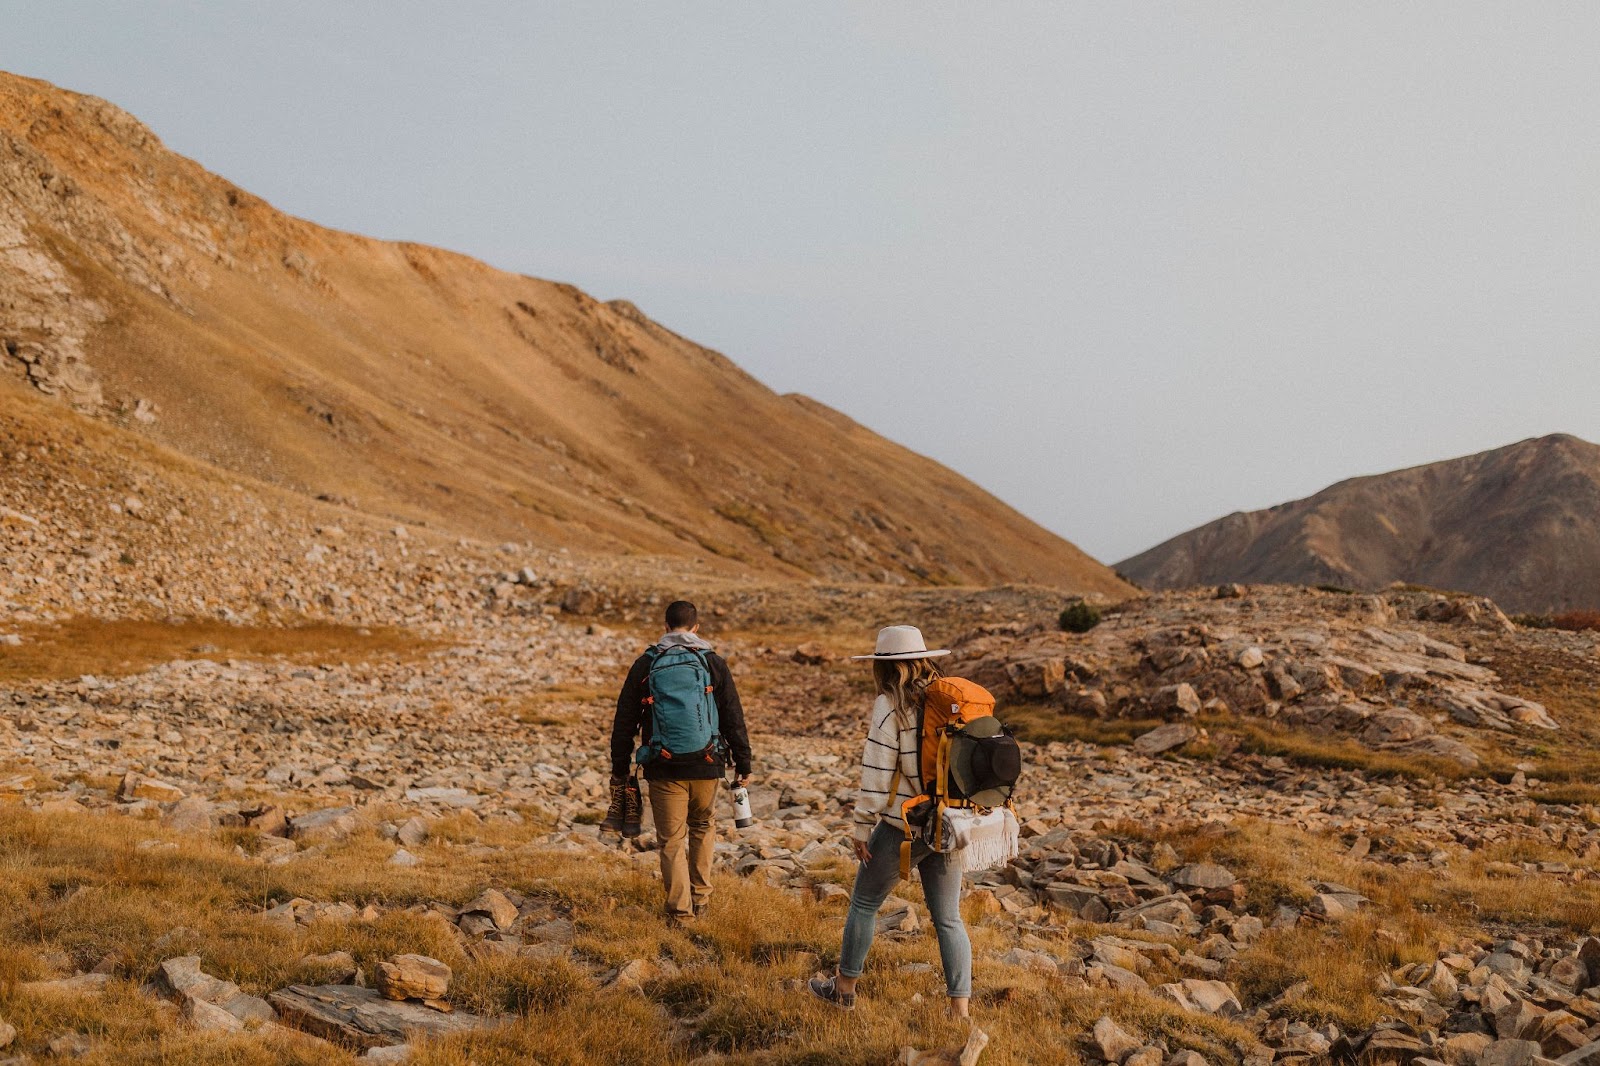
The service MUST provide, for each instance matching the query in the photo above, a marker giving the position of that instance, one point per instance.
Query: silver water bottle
(742, 818)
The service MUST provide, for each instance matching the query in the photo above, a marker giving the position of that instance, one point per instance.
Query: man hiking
(679, 719)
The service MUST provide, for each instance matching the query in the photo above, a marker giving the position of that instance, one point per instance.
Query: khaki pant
(683, 812)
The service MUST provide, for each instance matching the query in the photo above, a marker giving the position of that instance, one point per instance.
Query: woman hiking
(891, 774)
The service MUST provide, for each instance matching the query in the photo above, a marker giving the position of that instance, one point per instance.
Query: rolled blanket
(983, 841)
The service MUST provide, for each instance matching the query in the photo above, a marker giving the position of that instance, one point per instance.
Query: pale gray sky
(1183, 259)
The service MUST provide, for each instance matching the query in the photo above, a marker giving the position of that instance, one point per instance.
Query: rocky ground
(1224, 787)
(507, 722)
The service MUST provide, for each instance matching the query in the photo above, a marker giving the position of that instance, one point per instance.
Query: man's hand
(742, 780)
(863, 850)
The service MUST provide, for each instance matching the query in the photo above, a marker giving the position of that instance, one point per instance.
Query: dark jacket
(633, 722)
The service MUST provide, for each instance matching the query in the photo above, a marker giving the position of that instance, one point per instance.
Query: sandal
(827, 990)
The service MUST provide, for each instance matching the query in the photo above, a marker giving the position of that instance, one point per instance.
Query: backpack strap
(894, 779)
(894, 787)
(717, 740)
(905, 845)
(651, 654)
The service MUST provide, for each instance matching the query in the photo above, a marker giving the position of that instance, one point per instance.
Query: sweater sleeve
(879, 756)
(730, 715)
(629, 717)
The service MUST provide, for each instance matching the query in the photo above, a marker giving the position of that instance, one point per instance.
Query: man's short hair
(681, 614)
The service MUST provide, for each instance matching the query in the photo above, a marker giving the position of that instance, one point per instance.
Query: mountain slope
(1520, 524)
(424, 386)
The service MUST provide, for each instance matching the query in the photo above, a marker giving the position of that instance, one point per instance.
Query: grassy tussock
(1323, 751)
(128, 1027)
(1578, 795)
(1041, 724)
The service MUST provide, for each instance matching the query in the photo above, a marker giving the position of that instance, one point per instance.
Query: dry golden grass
(130, 1028)
(1577, 621)
(1324, 751)
(557, 705)
(108, 648)
(1568, 684)
(1342, 962)
(1415, 911)
(1042, 724)
(82, 886)
(1571, 794)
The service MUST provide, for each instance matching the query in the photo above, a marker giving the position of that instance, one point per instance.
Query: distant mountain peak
(1520, 524)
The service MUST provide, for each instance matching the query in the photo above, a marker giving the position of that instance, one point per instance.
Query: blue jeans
(941, 887)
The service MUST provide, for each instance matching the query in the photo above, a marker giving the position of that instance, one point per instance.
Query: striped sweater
(886, 743)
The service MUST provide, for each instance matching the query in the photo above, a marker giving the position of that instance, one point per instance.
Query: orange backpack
(948, 701)
(950, 705)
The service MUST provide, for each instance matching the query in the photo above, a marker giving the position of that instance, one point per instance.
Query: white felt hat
(902, 642)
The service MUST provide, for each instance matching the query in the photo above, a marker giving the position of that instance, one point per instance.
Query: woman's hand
(863, 850)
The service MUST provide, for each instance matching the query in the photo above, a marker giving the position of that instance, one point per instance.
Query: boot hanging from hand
(633, 808)
(616, 813)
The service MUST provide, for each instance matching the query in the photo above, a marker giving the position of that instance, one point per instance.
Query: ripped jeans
(941, 887)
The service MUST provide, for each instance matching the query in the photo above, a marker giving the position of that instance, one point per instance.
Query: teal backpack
(683, 711)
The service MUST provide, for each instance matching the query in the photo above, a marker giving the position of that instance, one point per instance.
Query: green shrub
(1533, 621)
(1080, 617)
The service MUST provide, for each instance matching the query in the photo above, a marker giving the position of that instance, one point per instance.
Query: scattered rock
(1179, 699)
(413, 832)
(413, 977)
(966, 1055)
(208, 1017)
(1110, 1042)
(496, 906)
(391, 1053)
(1202, 875)
(70, 1045)
(366, 1019)
(190, 815)
(136, 786)
(333, 823)
(1165, 738)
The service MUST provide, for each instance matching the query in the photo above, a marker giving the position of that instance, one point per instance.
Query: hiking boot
(633, 809)
(827, 990)
(616, 813)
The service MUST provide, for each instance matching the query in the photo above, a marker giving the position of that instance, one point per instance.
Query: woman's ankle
(843, 983)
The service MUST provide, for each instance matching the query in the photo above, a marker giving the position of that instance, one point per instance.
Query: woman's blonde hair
(904, 681)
